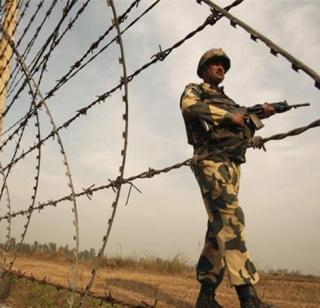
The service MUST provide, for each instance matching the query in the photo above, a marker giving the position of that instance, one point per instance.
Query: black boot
(249, 298)
(206, 297)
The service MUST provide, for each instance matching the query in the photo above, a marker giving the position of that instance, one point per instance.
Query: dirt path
(174, 290)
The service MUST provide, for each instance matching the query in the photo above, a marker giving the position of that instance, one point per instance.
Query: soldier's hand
(257, 142)
(268, 110)
(239, 119)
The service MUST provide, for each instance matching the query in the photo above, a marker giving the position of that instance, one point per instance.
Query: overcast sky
(279, 191)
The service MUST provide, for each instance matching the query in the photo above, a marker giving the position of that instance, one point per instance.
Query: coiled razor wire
(151, 172)
(54, 40)
(78, 66)
(110, 221)
(8, 202)
(39, 64)
(68, 173)
(35, 66)
(18, 247)
(74, 210)
(36, 92)
(29, 46)
(160, 56)
(147, 174)
(38, 8)
(33, 197)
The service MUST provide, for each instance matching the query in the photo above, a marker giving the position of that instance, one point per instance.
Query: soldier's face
(214, 73)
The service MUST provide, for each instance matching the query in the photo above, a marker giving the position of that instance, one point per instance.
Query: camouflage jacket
(207, 114)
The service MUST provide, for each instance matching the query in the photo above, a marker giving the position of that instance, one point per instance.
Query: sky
(279, 189)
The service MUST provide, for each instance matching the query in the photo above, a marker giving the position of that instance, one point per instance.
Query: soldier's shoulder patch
(192, 89)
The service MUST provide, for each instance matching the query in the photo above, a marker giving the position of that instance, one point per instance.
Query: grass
(176, 265)
(26, 294)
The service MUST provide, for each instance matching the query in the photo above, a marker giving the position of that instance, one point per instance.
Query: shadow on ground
(148, 290)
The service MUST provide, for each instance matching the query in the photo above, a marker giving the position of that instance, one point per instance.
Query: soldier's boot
(249, 298)
(206, 298)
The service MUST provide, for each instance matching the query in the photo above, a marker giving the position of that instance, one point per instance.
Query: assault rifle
(256, 112)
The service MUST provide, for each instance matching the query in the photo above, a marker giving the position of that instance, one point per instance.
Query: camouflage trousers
(224, 242)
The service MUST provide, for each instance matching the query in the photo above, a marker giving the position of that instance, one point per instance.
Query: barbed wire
(151, 172)
(35, 66)
(38, 66)
(31, 20)
(10, 24)
(33, 198)
(35, 187)
(124, 81)
(296, 64)
(56, 42)
(14, 14)
(77, 67)
(160, 56)
(10, 21)
(36, 92)
(11, 264)
(29, 46)
(24, 32)
(125, 117)
(8, 235)
(107, 298)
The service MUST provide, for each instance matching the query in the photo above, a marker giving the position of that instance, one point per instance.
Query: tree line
(49, 249)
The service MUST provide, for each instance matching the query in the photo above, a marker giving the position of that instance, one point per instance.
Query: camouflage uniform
(218, 176)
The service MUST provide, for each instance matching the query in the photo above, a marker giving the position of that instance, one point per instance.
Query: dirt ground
(178, 290)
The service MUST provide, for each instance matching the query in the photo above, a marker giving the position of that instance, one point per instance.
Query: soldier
(213, 124)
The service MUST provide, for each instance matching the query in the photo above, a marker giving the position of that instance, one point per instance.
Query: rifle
(256, 112)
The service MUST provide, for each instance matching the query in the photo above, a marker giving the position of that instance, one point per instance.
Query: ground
(139, 285)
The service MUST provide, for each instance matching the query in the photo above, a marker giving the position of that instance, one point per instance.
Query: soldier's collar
(210, 87)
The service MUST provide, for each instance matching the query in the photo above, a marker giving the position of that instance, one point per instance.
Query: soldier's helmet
(212, 55)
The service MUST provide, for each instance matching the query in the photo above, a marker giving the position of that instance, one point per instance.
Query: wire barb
(129, 192)
(161, 55)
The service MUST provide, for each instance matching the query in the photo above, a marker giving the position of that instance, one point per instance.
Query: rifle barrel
(300, 105)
